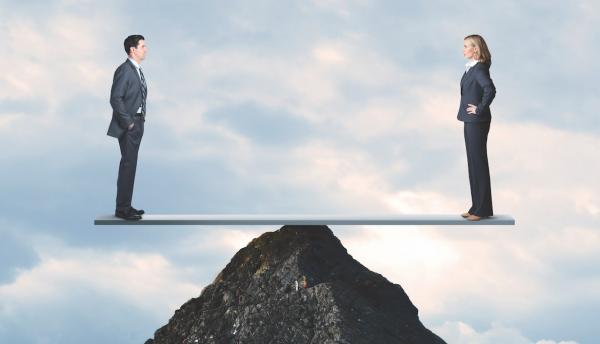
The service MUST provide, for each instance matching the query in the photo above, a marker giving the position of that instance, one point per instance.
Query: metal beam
(297, 219)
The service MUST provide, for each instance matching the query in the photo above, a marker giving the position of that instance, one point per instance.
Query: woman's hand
(472, 109)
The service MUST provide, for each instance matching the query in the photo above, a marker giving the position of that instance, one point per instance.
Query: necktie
(144, 92)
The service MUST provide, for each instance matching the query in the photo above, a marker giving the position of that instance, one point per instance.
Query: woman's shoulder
(482, 68)
(483, 65)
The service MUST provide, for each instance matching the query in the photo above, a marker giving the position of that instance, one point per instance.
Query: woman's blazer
(477, 88)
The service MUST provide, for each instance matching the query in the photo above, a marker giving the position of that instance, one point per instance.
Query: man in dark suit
(128, 101)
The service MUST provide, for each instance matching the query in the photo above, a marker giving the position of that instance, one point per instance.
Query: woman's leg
(472, 184)
(479, 171)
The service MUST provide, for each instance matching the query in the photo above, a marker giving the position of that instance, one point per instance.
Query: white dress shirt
(470, 64)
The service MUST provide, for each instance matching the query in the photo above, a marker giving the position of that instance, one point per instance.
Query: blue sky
(299, 107)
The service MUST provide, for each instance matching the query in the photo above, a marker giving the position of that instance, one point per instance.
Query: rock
(255, 299)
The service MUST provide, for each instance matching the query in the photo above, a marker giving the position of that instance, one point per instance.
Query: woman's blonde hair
(482, 53)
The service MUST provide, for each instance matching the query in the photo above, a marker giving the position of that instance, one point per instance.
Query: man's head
(135, 47)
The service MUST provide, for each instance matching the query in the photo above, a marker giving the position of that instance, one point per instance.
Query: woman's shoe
(465, 215)
(473, 218)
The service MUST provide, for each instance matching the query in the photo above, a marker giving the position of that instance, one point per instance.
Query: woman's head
(475, 48)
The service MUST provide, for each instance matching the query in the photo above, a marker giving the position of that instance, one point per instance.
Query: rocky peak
(297, 285)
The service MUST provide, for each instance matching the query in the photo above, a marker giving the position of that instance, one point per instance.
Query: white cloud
(328, 54)
(134, 278)
(53, 58)
(341, 8)
(422, 202)
(456, 332)
(343, 176)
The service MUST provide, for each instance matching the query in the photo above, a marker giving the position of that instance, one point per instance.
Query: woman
(476, 94)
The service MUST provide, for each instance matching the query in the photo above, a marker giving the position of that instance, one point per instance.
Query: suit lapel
(137, 76)
(462, 80)
(466, 76)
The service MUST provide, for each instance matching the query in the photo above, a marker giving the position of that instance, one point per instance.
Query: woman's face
(468, 50)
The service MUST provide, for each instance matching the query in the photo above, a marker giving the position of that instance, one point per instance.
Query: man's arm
(117, 93)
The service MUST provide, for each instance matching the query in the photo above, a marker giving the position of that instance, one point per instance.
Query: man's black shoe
(131, 216)
(139, 212)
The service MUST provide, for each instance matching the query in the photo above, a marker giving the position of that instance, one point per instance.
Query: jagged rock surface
(254, 299)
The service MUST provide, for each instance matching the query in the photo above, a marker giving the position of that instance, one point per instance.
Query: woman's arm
(482, 76)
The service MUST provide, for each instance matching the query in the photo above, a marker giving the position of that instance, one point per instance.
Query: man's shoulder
(124, 69)
(126, 65)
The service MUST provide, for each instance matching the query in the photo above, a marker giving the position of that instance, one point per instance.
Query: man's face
(139, 52)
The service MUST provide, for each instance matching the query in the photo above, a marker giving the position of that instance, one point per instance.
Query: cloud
(548, 261)
(136, 278)
(324, 106)
(457, 332)
(73, 294)
(340, 8)
(15, 254)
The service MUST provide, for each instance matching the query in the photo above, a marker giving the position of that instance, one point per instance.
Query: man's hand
(131, 126)
(472, 109)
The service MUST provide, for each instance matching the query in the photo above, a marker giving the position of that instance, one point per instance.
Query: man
(128, 101)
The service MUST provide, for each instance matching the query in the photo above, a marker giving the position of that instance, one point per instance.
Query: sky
(314, 107)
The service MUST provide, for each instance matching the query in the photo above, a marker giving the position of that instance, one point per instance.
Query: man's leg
(129, 144)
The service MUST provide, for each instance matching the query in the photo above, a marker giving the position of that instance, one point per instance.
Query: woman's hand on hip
(472, 109)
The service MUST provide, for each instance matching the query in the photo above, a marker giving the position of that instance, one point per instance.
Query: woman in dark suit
(476, 94)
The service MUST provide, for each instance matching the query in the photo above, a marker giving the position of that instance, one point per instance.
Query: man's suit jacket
(125, 98)
(477, 88)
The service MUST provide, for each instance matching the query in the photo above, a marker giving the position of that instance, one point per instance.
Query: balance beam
(259, 219)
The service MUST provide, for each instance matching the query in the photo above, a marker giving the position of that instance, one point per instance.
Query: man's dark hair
(132, 42)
